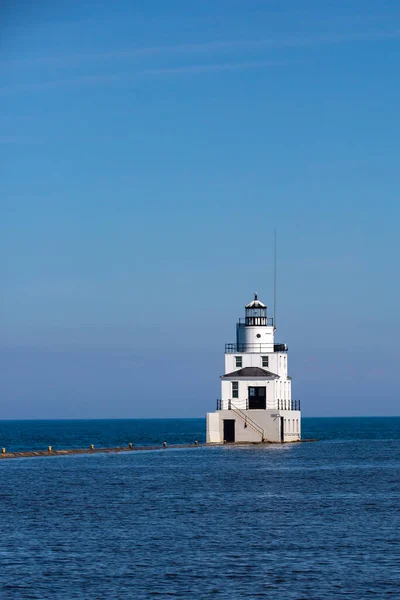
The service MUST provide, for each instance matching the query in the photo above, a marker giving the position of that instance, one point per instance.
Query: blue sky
(147, 152)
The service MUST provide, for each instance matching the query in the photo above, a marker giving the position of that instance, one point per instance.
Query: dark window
(235, 389)
(238, 361)
(257, 398)
(265, 360)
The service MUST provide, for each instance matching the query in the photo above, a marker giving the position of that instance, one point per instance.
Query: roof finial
(255, 296)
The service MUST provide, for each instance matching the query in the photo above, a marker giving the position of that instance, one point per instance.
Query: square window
(238, 361)
(265, 361)
(235, 389)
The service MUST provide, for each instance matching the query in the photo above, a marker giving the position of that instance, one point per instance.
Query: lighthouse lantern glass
(256, 316)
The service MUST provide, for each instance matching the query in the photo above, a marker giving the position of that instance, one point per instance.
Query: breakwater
(91, 450)
(130, 448)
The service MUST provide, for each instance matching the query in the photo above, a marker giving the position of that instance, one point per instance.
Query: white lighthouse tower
(256, 391)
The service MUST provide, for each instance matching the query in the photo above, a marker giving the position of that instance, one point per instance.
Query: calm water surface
(302, 521)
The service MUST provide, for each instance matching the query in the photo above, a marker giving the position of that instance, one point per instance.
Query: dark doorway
(257, 398)
(229, 430)
(282, 429)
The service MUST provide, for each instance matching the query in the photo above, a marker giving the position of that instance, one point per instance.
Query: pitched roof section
(256, 303)
(250, 372)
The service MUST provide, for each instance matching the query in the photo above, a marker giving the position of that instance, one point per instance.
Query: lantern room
(256, 312)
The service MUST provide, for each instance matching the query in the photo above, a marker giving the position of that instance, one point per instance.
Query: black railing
(282, 404)
(233, 348)
(219, 404)
(255, 322)
(288, 404)
(280, 348)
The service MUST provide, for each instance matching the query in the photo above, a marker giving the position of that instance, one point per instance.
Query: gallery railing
(256, 321)
(288, 404)
(267, 348)
(244, 404)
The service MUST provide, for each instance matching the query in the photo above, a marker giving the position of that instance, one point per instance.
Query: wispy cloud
(278, 42)
(131, 76)
(238, 66)
(211, 47)
(55, 83)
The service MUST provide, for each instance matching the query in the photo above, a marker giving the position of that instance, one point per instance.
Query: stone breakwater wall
(37, 453)
(92, 450)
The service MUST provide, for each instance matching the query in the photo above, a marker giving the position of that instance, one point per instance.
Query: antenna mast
(274, 279)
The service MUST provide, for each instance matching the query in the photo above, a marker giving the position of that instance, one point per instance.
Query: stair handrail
(248, 420)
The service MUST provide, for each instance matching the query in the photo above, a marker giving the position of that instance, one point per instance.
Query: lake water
(302, 521)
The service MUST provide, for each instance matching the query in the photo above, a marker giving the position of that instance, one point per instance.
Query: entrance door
(257, 398)
(282, 429)
(229, 430)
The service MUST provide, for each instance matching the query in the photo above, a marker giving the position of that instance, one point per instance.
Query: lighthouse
(256, 402)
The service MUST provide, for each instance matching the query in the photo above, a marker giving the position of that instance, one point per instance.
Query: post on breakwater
(5, 455)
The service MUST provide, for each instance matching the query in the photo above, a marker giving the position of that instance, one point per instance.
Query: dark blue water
(107, 433)
(302, 521)
(37, 435)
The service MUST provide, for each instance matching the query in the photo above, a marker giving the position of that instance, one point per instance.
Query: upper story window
(265, 361)
(235, 389)
(239, 361)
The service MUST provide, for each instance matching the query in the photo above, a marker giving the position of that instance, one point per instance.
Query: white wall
(277, 362)
(268, 420)
(277, 389)
(213, 434)
(292, 425)
(226, 392)
(248, 335)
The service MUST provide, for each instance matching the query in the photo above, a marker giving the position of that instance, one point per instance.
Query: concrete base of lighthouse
(253, 426)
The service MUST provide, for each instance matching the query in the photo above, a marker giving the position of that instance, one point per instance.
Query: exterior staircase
(248, 422)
